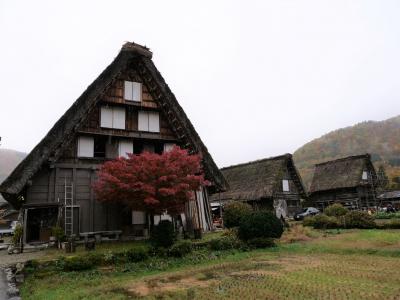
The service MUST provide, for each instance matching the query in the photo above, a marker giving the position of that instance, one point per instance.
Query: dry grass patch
(159, 287)
(298, 233)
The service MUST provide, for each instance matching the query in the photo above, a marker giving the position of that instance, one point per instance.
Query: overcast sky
(256, 78)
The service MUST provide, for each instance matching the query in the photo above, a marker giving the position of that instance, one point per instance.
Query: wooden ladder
(68, 208)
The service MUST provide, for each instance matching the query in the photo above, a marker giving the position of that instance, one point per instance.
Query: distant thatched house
(390, 197)
(350, 181)
(265, 184)
(129, 108)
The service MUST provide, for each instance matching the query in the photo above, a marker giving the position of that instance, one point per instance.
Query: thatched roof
(340, 173)
(389, 195)
(59, 137)
(258, 179)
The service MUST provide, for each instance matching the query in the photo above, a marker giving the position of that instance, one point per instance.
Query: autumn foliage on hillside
(151, 182)
(380, 139)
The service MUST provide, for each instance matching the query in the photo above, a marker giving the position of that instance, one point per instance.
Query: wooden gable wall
(114, 96)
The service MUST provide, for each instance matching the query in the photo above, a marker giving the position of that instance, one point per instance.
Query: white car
(309, 211)
(10, 230)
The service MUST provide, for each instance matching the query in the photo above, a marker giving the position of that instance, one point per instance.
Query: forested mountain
(9, 159)
(380, 139)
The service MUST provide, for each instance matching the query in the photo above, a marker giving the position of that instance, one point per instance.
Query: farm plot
(323, 276)
(350, 264)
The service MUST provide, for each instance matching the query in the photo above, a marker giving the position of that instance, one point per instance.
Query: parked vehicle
(10, 230)
(308, 211)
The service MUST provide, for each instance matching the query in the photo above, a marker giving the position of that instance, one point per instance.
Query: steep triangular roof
(60, 135)
(340, 173)
(257, 179)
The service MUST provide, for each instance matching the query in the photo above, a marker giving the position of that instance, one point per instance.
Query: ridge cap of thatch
(137, 48)
(283, 156)
(351, 157)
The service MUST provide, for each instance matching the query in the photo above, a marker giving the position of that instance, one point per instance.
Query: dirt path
(7, 259)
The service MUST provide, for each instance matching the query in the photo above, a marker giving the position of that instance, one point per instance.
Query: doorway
(38, 224)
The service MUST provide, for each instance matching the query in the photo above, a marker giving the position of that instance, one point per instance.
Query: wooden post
(220, 210)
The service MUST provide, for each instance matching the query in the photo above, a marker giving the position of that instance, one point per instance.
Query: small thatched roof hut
(262, 180)
(350, 181)
(341, 173)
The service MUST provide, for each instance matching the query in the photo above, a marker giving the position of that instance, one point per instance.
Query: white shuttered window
(132, 91)
(143, 121)
(285, 185)
(125, 147)
(112, 117)
(168, 147)
(85, 146)
(149, 121)
(106, 118)
(119, 117)
(154, 121)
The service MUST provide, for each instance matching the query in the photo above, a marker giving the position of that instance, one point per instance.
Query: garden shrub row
(392, 224)
(92, 259)
(336, 216)
(385, 215)
(255, 230)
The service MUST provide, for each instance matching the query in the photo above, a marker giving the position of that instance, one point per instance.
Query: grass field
(353, 264)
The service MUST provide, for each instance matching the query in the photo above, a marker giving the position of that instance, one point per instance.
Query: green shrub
(385, 215)
(31, 266)
(358, 219)
(335, 210)
(159, 251)
(321, 221)
(393, 224)
(58, 233)
(163, 234)
(77, 263)
(18, 232)
(95, 258)
(137, 254)
(261, 243)
(309, 221)
(233, 212)
(109, 258)
(260, 224)
(224, 243)
(180, 248)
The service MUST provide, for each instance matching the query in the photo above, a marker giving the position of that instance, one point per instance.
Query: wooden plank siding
(93, 214)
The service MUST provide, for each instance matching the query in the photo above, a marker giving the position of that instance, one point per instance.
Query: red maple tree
(151, 182)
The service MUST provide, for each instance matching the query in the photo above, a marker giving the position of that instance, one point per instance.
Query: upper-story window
(148, 121)
(85, 146)
(132, 91)
(112, 117)
(125, 147)
(285, 185)
(364, 175)
(92, 146)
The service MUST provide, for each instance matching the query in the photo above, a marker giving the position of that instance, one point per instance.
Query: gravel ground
(7, 259)
(3, 285)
